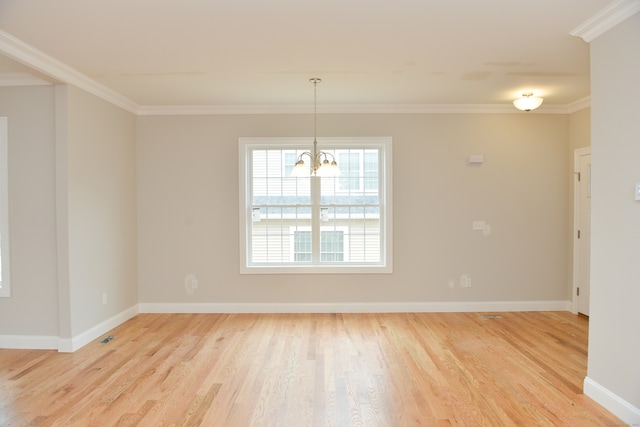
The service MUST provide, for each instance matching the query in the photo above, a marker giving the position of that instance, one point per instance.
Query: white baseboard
(612, 402)
(73, 344)
(29, 342)
(400, 307)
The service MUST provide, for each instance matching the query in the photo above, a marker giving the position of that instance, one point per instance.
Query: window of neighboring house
(310, 224)
(5, 285)
(332, 245)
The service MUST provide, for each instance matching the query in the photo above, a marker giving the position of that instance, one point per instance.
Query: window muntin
(295, 224)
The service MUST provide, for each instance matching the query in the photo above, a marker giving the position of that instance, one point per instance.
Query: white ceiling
(258, 52)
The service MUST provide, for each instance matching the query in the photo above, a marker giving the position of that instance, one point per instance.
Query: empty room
(243, 213)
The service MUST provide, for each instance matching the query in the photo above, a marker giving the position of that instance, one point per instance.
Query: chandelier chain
(315, 107)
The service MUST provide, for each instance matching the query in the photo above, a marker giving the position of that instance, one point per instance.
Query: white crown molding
(194, 110)
(400, 307)
(578, 105)
(40, 61)
(206, 110)
(607, 18)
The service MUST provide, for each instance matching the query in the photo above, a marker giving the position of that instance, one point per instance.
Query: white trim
(29, 342)
(579, 105)
(28, 55)
(192, 110)
(612, 402)
(73, 344)
(398, 307)
(576, 219)
(606, 19)
(64, 345)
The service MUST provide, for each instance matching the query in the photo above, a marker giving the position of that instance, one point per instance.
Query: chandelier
(320, 164)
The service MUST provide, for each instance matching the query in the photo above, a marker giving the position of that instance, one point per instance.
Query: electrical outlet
(465, 281)
(104, 298)
(190, 284)
(478, 225)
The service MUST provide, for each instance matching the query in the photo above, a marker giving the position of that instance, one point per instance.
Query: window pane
(271, 184)
(290, 158)
(371, 170)
(349, 163)
(331, 246)
(272, 235)
(302, 246)
(359, 180)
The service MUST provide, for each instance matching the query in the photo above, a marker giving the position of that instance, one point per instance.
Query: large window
(5, 288)
(310, 224)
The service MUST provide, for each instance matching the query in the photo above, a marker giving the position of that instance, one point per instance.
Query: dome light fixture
(320, 164)
(527, 102)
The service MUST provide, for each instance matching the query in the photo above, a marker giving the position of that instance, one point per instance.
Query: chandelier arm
(306, 153)
(325, 154)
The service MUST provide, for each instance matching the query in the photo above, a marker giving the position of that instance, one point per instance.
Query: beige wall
(579, 130)
(615, 225)
(97, 188)
(188, 209)
(72, 208)
(32, 309)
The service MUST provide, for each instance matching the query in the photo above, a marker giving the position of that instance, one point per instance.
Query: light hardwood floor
(410, 369)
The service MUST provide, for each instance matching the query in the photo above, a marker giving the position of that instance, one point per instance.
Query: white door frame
(576, 194)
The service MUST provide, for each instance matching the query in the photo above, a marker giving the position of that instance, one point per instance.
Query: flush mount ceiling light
(320, 164)
(527, 102)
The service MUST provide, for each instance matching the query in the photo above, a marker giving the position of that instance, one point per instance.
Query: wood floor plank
(389, 369)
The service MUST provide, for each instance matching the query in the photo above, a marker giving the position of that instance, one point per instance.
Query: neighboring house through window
(332, 245)
(311, 224)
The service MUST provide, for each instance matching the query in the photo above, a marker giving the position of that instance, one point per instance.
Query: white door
(582, 237)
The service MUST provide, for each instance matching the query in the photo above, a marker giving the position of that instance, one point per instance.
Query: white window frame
(245, 147)
(5, 279)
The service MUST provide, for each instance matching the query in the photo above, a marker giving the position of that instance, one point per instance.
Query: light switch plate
(478, 225)
(475, 159)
